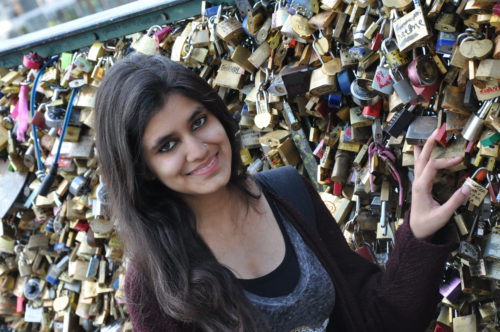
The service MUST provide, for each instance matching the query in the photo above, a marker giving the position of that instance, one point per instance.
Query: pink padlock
(162, 33)
(20, 304)
(32, 61)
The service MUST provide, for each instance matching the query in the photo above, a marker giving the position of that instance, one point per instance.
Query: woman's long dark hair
(158, 228)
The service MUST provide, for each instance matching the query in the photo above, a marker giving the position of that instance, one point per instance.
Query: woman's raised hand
(427, 216)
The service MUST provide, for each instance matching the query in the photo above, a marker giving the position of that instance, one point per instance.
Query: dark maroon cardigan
(403, 298)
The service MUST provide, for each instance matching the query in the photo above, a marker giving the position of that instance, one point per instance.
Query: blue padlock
(335, 100)
(359, 52)
(212, 11)
(445, 42)
(344, 79)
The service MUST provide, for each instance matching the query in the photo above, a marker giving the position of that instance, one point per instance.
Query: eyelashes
(170, 145)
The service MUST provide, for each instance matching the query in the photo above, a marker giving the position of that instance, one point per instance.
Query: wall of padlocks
(342, 90)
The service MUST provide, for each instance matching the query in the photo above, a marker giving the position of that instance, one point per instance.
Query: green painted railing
(112, 23)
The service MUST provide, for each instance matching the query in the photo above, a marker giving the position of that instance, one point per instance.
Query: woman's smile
(207, 168)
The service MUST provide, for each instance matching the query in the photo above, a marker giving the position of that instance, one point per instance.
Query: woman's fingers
(416, 154)
(425, 154)
(430, 170)
(456, 200)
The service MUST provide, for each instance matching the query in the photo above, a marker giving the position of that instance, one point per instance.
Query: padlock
(474, 125)
(374, 111)
(79, 185)
(400, 121)
(394, 57)
(362, 93)
(478, 192)
(279, 15)
(32, 61)
(363, 23)
(422, 70)
(341, 166)
(322, 84)
(345, 79)
(340, 24)
(447, 19)
(410, 29)
(146, 43)
(382, 81)
(335, 100)
(403, 87)
(96, 51)
(445, 43)
(230, 29)
(420, 129)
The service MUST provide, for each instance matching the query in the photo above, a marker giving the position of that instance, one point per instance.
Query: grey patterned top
(308, 307)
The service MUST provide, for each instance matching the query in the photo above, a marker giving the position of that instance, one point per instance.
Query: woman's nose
(195, 149)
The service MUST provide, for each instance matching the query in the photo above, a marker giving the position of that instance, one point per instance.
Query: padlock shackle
(316, 51)
(478, 170)
(152, 29)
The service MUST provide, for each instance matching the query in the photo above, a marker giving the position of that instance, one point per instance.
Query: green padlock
(66, 60)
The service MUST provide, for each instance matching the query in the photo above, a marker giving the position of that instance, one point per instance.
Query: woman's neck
(220, 210)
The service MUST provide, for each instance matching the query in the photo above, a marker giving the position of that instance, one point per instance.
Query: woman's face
(186, 147)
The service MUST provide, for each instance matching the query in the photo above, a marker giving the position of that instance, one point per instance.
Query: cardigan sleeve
(143, 310)
(404, 296)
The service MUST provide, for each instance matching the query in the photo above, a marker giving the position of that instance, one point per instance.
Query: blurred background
(18, 17)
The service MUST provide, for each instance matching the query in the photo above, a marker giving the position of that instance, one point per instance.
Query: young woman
(212, 249)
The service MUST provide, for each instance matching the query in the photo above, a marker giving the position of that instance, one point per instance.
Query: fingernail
(456, 158)
(465, 189)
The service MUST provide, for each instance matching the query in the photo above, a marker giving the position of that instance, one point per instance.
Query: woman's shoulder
(132, 283)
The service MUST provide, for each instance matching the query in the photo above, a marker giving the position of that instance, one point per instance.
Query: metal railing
(112, 23)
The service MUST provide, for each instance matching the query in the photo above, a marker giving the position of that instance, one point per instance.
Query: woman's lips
(207, 167)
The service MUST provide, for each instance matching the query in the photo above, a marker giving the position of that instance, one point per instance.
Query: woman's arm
(404, 297)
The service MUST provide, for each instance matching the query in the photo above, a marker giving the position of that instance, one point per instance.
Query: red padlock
(322, 108)
(442, 136)
(426, 92)
(365, 252)
(442, 328)
(377, 41)
(337, 188)
(81, 225)
(373, 112)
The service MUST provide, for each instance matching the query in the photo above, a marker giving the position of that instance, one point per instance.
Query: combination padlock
(362, 93)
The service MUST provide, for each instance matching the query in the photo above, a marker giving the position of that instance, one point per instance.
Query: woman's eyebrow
(160, 140)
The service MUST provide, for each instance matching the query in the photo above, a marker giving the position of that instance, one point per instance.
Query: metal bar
(112, 23)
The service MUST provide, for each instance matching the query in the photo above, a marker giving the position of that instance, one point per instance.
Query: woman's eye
(199, 122)
(167, 147)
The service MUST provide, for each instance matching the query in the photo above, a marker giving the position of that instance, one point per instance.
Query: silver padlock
(79, 185)
(362, 93)
(403, 87)
(363, 23)
(382, 81)
(474, 125)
